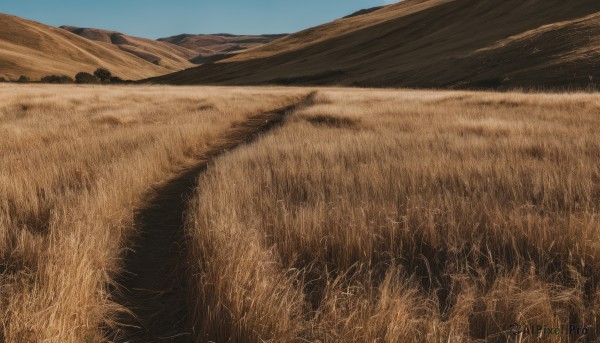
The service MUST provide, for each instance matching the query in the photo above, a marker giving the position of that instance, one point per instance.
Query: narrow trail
(153, 286)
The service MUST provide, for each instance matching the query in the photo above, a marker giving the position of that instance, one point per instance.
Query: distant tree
(103, 75)
(23, 79)
(83, 77)
(49, 79)
(56, 79)
(116, 79)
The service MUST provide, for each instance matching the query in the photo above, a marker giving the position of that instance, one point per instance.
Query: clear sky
(161, 18)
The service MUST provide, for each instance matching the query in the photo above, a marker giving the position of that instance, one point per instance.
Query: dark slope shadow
(153, 286)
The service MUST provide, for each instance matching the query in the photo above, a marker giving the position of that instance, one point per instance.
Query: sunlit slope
(428, 43)
(170, 56)
(33, 49)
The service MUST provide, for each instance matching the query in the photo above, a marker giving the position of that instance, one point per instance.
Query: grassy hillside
(428, 43)
(35, 50)
(219, 43)
(170, 56)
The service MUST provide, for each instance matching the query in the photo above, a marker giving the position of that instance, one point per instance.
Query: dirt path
(153, 286)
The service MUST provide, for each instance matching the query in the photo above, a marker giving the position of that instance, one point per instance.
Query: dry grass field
(75, 164)
(365, 216)
(404, 216)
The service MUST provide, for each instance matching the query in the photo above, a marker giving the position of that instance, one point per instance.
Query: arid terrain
(421, 172)
(219, 43)
(35, 50)
(458, 44)
(78, 166)
(163, 54)
(296, 214)
(214, 47)
(497, 44)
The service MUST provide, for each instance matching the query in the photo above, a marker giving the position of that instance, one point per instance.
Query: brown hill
(428, 43)
(218, 46)
(35, 50)
(170, 56)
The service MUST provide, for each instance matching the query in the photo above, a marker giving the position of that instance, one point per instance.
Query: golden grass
(369, 216)
(76, 162)
(404, 216)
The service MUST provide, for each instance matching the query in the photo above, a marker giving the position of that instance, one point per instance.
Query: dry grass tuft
(333, 121)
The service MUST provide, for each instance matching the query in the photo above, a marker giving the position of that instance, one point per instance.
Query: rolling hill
(33, 49)
(212, 48)
(428, 43)
(219, 43)
(170, 56)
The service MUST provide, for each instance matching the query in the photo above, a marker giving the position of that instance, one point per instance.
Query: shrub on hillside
(23, 79)
(103, 74)
(83, 77)
(56, 79)
(116, 79)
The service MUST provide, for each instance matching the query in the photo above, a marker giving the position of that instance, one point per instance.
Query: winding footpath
(153, 286)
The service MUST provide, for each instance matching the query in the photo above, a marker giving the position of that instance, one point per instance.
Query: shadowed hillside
(428, 43)
(34, 49)
(167, 55)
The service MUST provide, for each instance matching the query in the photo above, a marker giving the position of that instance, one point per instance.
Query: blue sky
(160, 18)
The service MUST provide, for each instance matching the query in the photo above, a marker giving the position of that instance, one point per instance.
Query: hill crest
(169, 56)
